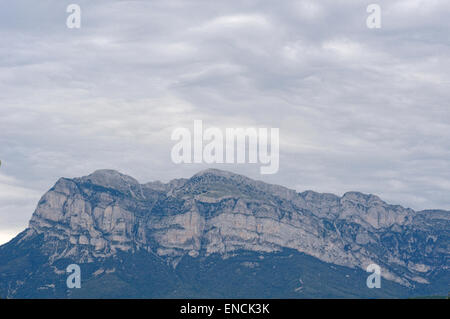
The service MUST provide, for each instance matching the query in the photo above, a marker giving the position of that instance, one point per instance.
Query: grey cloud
(358, 109)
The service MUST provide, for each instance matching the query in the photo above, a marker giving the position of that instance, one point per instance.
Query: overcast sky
(358, 109)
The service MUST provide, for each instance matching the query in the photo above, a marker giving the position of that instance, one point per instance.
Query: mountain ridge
(180, 181)
(219, 213)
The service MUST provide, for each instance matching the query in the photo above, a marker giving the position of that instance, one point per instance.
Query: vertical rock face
(217, 212)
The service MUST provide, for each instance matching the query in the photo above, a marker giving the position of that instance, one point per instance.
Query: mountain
(219, 234)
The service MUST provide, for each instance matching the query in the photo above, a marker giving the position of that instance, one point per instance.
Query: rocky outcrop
(218, 212)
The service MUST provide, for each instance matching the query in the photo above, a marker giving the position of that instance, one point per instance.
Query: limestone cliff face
(219, 212)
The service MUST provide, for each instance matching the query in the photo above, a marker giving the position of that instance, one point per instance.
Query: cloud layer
(358, 109)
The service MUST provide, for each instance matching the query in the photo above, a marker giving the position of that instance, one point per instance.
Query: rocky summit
(219, 234)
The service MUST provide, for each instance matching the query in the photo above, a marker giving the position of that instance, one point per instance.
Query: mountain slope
(181, 235)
